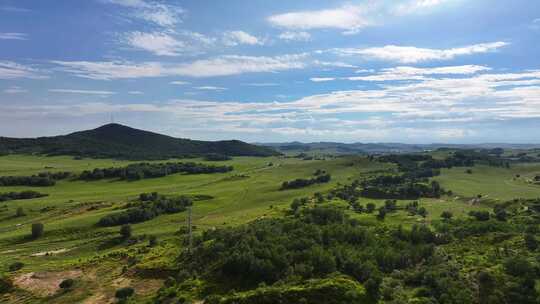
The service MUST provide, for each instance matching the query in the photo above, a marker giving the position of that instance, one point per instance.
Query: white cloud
(417, 6)
(435, 108)
(179, 82)
(210, 88)
(89, 92)
(155, 12)
(322, 79)
(161, 44)
(413, 73)
(13, 70)
(234, 38)
(219, 66)
(348, 18)
(261, 84)
(536, 24)
(135, 92)
(295, 36)
(410, 54)
(13, 36)
(15, 90)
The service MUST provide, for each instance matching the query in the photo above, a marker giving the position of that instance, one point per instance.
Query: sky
(410, 71)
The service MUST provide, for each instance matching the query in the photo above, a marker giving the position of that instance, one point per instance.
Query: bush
(67, 284)
(124, 293)
(37, 230)
(125, 231)
(20, 212)
(446, 215)
(16, 266)
(152, 241)
(5, 285)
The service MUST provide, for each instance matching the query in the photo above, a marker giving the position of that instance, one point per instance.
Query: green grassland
(251, 191)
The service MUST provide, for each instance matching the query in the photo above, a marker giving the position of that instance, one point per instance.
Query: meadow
(74, 245)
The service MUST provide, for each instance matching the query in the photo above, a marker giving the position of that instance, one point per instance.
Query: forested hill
(118, 141)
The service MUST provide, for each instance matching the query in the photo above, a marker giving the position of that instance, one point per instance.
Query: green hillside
(122, 142)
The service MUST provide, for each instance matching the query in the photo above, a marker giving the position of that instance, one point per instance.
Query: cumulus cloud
(13, 36)
(322, 79)
(295, 36)
(210, 88)
(219, 66)
(416, 6)
(414, 73)
(348, 18)
(161, 44)
(233, 38)
(411, 54)
(157, 13)
(438, 107)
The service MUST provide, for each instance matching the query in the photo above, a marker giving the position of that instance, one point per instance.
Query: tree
(422, 212)
(295, 205)
(67, 284)
(370, 207)
(382, 214)
(37, 230)
(124, 293)
(446, 215)
(20, 212)
(16, 266)
(125, 231)
(152, 241)
(531, 242)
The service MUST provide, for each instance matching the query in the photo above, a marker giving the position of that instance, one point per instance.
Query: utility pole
(190, 232)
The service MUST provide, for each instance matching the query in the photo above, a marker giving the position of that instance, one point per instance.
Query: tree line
(321, 177)
(149, 206)
(152, 170)
(9, 196)
(43, 179)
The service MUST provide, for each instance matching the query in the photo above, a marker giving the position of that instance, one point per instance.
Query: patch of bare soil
(52, 252)
(44, 283)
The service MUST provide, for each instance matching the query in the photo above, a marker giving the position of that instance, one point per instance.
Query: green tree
(446, 215)
(125, 231)
(20, 212)
(37, 230)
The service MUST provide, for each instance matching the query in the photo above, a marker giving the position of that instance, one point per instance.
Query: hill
(119, 141)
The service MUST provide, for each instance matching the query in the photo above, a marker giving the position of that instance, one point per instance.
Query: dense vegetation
(117, 141)
(321, 177)
(44, 179)
(288, 258)
(151, 170)
(149, 206)
(9, 196)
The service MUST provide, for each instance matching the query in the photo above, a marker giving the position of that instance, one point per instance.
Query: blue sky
(412, 71)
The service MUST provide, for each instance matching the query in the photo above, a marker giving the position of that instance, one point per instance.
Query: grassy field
(251, 191)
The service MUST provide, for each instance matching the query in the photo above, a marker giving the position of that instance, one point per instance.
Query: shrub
(67, 284)
(446, 215)
(152, 241)
(5, 285)
(124, 293)
(20, 212)
(37, 230)
(16, 266)
(125, 231)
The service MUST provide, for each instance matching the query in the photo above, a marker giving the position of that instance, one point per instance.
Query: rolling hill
(123, 142)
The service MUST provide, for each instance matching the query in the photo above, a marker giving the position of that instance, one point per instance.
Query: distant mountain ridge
(346, 148)
(119, 141)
